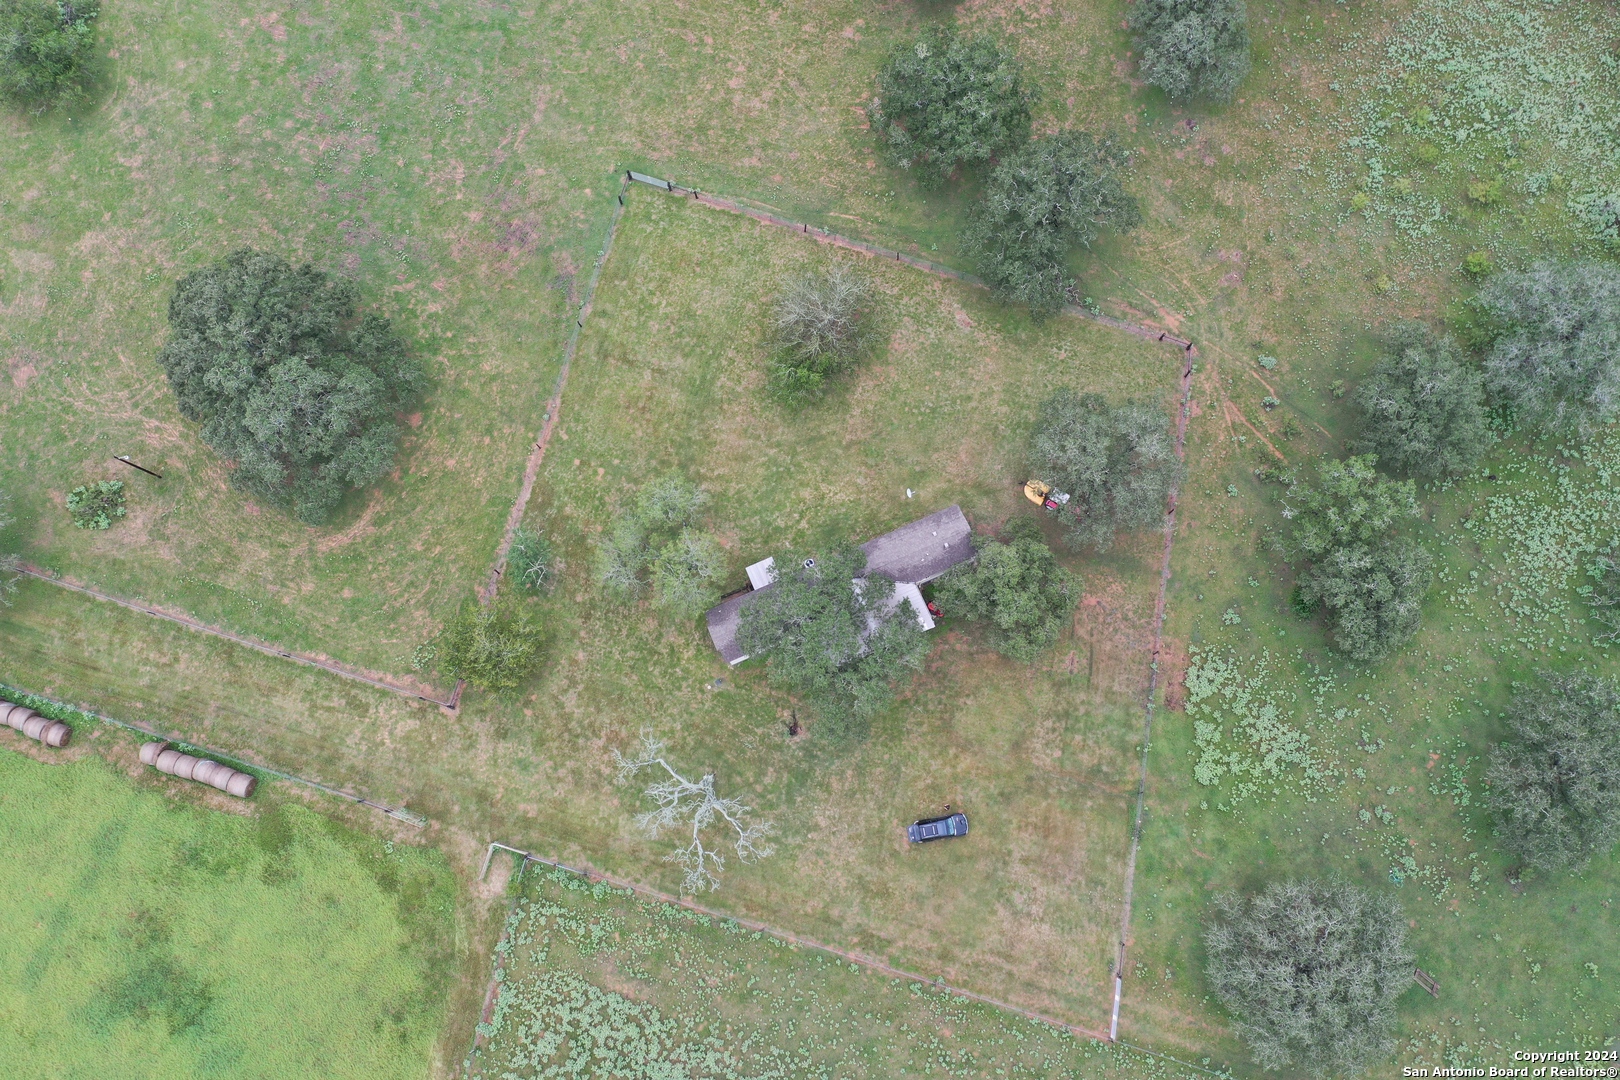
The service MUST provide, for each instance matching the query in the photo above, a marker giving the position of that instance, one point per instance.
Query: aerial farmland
(798, 539)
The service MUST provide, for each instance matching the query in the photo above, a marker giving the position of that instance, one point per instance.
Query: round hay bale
(18, 716)
(241, 784)
(35, 726)
(185, 765)
(165, 761)
(151, 750)
(222, 778)
(57, 734)
(206, 771)
(6, 709)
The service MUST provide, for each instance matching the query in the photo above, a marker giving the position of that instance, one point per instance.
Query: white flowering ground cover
(596, 982)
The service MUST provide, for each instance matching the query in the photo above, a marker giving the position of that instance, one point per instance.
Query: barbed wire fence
(61, 710)
(769, 216)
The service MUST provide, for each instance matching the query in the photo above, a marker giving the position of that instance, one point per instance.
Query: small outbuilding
(911, 556)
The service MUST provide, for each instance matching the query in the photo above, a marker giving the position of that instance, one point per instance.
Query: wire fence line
(1147, 719)
(875, 964)
(548, 419)
(593, 875)
(46, 706)
(768, 216)
(229, 635)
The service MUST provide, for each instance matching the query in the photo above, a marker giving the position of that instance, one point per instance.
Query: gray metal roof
(916, 553)
(923, 550)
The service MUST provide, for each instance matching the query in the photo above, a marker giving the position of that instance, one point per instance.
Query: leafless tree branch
(687, 805)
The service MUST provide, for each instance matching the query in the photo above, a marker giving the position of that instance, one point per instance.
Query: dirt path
(252, 643)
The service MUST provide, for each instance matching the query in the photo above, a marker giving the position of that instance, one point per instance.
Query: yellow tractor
(1041, 494)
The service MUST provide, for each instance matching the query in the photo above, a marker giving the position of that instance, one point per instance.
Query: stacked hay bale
(165, 759)
(36, 727)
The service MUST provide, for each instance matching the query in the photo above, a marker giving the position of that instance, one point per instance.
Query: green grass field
(597, 980)
(149, 936)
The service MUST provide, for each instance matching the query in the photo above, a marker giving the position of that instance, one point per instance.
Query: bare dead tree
(683, 804)
(820, 320)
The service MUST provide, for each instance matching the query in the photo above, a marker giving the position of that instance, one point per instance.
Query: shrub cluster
(1192, 48)
(822, 326)
(1555, 786)
(1423, 406)
(1117, 463)
(1050, 195)
(47, 51)
(946, 100)
(835, 635)
(1555, 357)
(1016, 586)
(1370, 582)
(1311, 972)
(97, 505)
(656, 545)
(289, 386)
(531, 562)
(494, 648)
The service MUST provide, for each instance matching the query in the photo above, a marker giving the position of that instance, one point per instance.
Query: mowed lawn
(149, 937)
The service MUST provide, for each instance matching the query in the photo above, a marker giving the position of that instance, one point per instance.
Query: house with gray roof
(911, 556)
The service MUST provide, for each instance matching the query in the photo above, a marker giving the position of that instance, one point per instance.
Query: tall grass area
(148, 938)
(596, 980)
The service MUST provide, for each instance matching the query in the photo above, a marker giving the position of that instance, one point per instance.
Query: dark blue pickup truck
(937, 828)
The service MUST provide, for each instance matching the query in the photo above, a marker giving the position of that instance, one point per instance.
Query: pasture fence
(60, 710)
(937, 983)
(229, 635)
(766, 215)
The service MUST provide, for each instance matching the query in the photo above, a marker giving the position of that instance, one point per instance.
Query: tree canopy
(835, 635)
(1556, 355)
(1371, 583)
(1349, 504)
(1192, 48)
(1118, 464)
(947, 100)
(1311, 971)
(47, 51)
(494, 648)
(289, 385)
(655, 544)
(1423, 406)
(1373, 594)
(1051, 194)
(1017, 587)
(821, 327)
(1555, 786)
